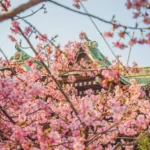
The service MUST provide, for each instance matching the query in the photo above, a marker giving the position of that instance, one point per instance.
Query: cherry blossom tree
(37, 113)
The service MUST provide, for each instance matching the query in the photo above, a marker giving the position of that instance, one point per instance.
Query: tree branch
(96, 17)
(10, 14)
(7, 115)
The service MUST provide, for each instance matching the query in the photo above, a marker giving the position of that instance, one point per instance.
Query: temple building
(84, 83)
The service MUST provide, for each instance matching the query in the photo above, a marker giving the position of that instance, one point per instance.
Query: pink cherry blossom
(76, 3)
(82, 35)
(71, 78)
(119, 45)
(7, 4)
(108, 34)
(146, 20)
(148, 35)
(12, 38)
(28, 30)
(128, 4)
(142, 41)
(42, 37)
(39, 46)
(136, 14)
(63, 98)
(15, 27)
(132, 41)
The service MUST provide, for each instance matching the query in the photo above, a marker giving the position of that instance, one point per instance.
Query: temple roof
(96, 54)
(142, 77)
(21, 56)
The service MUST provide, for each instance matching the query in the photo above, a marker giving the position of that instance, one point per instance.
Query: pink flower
(142, 41)
(82, 35)
(146, 20)
(79, 144)
(42, 37)
(19, 134)
(132, 41)
(117, 109)
(118, 91)
(29, 62)
(12, 38)
(136, 14)
(134, 64)
(133, 81)
(137, 4)
(148, 35)
(54, 136)
(22, 117)
(84, 47)
(15, 27)
(39, 47)
(28, 30)
(129, 147)
(118, 56)
(119, 45)
(115, 26)
(7, 3)
(109, 147)
(76, 5)
(148, 41)
(108, 34)
(15, 23)
(122, 34)
(49, 49)
(128, 4)
(14, 30)
(71, 78)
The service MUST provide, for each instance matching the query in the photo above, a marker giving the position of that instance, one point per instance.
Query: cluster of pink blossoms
(140, 10)
(6, 4)
(35, 114)
(136, 4)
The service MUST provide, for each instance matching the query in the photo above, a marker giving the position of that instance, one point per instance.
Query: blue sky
(68, 25)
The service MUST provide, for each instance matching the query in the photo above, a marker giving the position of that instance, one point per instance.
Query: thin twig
(3, 54)
(131, 143)
(96, 17)
(34, 12)
(97, 135)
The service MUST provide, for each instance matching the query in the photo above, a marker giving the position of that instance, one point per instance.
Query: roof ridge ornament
(17, 48)
(91, 44)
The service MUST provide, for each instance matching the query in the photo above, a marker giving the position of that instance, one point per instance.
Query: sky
(67, 25)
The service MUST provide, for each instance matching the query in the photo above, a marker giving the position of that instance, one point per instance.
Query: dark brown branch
(96, 17)
(3, 54)
(7, 115)
(10, 14)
